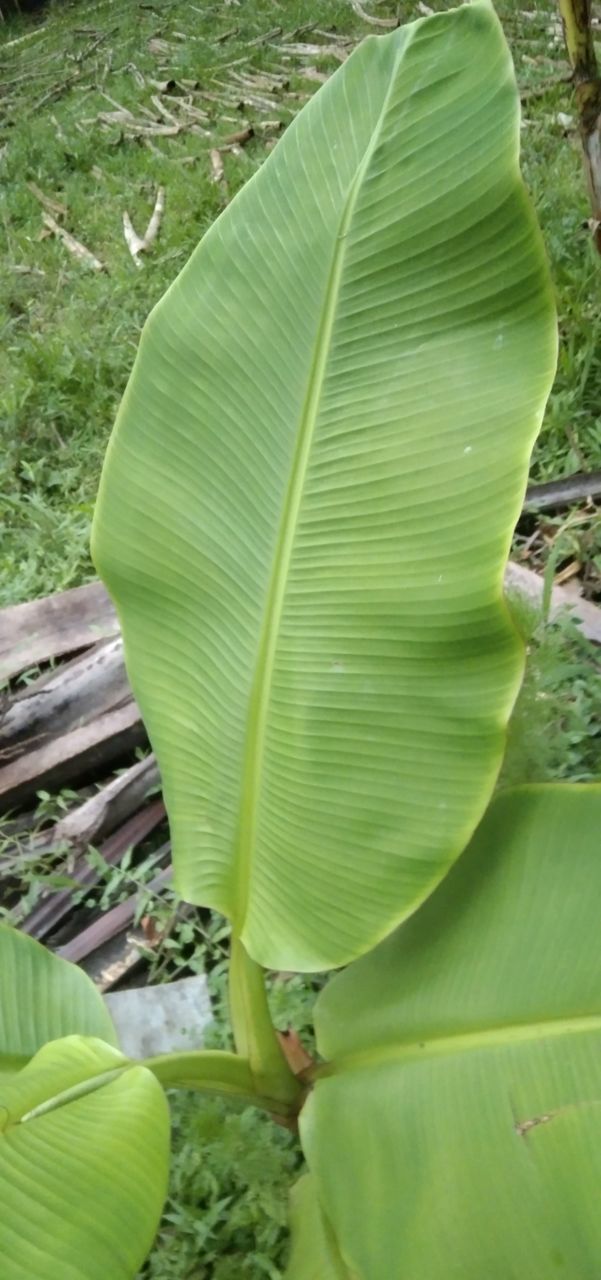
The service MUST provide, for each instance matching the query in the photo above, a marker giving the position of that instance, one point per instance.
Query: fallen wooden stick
(113, 960)
(313, 51)
(91, 821)
(217, 173)
(368, 17)
(267, 35)
(64, 699)
(152, 229)
(74, 246)
(53, 908)
(560, 493)
(238, 139)
(93, 748)
(312, 73)
(140, 244)
(52, 206)
(110, 924)
(62, 623)
(133, 241)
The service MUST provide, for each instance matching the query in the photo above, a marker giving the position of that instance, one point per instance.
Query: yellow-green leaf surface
(43, 998)
(458, 1135)
(84, 1153)
(308, 498)
(314, 1253)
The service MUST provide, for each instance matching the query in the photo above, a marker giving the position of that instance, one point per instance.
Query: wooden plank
(92, 748)
(87, 823)
(562, 493)
(53, 908)
(74, 694)
(116, 959)
(110, 924)
(62, 623)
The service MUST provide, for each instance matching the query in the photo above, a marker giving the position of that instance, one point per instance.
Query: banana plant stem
(217, 1072)
(254, 1033)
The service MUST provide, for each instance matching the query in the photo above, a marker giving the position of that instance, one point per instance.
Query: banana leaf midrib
(261, 687)
(460, 1042)
(63, 1097)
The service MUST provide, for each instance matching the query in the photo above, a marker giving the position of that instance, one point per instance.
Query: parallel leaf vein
(461, 1042)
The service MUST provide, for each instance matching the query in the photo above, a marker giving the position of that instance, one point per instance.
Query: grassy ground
(69, 333)
(68, 338)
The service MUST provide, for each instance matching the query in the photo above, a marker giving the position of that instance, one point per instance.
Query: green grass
(226, 1215)
(227, 1210)
(68, 337)
(555, 730)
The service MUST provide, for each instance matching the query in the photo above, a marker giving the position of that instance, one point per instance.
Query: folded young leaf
(84, 1155)
(60, 1071)
(43, 998)
(309, 495)
(456, 1133)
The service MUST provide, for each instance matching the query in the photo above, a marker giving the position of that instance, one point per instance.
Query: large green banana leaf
(84, 1154)
(314, 1253)
(308, 498)
(456, 1134)
(43, 998)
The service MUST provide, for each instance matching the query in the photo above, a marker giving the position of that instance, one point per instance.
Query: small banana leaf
(43, 998)
(84, 1133)
(84, 1157)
